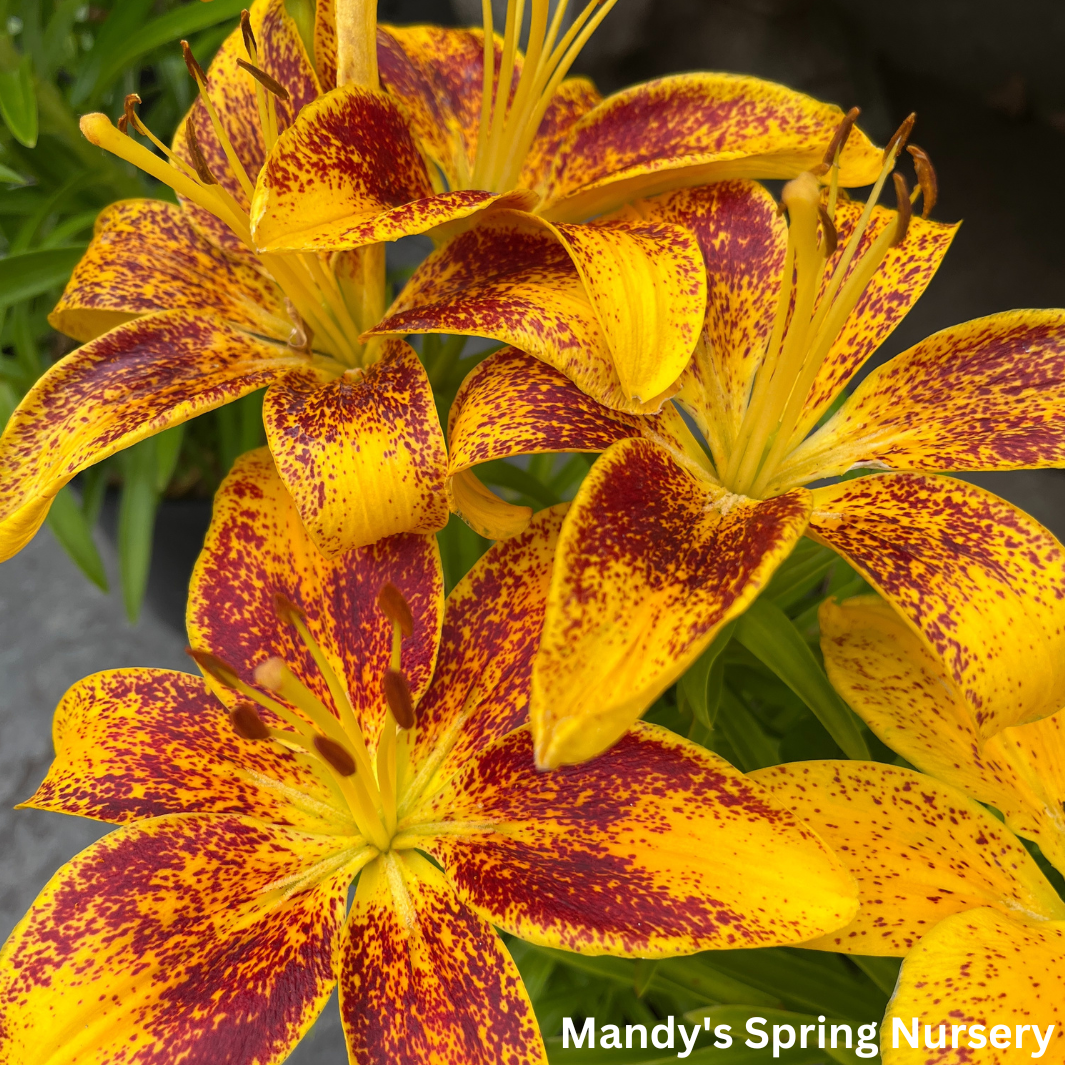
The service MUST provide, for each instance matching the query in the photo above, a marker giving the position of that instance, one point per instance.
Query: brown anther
(199, 163)
(286, 609)
(839, 138)
(214, 667)
(271, 673)
(194, 68)
(905, 209)
(926, 178)
(122, 124)
(900, 136)
(247, 724)
(302, 335)
(249, 37)
(394, 607)
(829, 234)
(397, 695)
(264, 79)
(129, 114)
(336, 755)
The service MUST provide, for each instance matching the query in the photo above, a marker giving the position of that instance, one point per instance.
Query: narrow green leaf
(167, 451)
(769, 634)
(74, 534)
(701, 685)
(460, 547)
(790, 583)
(805, 980)
(884, 972)
(644, 971)
(11, 177)
(93, 489)
(744, 733)
(34, 272)
(136, 522)
(18, 103)
(506, 475)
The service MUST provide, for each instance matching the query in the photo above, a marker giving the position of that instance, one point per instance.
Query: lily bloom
(942, 880)
(352, 726)
(465, 129)
(669, 536)
(179, 313)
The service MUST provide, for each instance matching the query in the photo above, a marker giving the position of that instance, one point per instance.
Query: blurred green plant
(59, 59)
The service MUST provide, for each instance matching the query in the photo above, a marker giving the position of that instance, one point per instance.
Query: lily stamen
(509, 120)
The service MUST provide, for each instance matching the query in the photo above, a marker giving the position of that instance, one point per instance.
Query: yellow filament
(340, 696)
(234, 162)
(294, 691)
(386, 771)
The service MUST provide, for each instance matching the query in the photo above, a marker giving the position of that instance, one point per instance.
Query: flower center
(511, 113)
(806, 325)
(328, 309)
(371, 788)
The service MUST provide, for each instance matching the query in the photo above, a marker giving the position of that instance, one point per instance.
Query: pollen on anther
(335, 754)
(247, 724)
(397, 695)
(395, 608)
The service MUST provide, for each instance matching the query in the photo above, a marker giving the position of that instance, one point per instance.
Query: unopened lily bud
(247, 724)
(271, 673)
(214, 667)
(336, 755)
(392, 604)
(397, 695)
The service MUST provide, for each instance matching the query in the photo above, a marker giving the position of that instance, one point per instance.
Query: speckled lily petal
(144, 257)
(656, 848)
(348, 173)
(981, 968)
(513, 404)
(921, 851)
(283, 57)
(362, 454)
(887, 674)
(653, 559)
(692, 129)
(138, 743)
(743, 239)
(257, 546)
(175, 933)
(130, 383)
(425, 979)
(1002, 378)
(980, 580)
(492, 627)
(889, 296)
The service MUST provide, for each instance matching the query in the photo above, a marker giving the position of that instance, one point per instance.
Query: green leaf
(506, 475)
(136, 522)
(791, 582)
(11, 177)
(74, 534)
(460, 548)
(805, 980)
(18, 103)
(167, 449)
(701, 685)
(884, 972)
(769, 634)
(34, 272)
(744, 733)
(120, 48)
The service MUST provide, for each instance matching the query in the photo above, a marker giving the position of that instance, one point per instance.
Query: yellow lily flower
(179, 313)
(942, 880)
(670, 537)
(465, 128)
(350, 724)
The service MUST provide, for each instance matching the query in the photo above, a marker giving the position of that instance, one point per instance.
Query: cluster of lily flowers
(478, 762)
